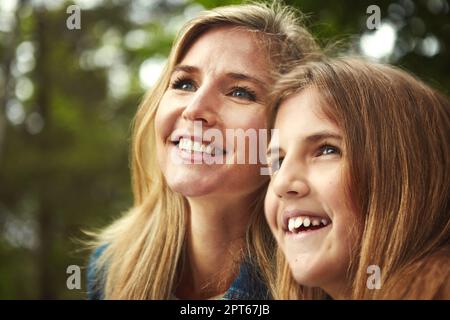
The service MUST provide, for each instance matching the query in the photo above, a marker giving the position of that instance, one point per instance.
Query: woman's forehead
(233, 48)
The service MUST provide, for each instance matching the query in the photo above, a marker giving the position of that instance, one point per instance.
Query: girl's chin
(305, 279)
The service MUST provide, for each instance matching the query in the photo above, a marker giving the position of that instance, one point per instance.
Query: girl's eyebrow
(321, 135)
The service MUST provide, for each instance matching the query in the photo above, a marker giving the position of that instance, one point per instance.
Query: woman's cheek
(162, 127)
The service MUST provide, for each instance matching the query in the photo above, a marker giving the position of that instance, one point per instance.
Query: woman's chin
(191, 189)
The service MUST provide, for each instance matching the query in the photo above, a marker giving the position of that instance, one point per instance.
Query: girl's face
(306, 205)
(220, 84)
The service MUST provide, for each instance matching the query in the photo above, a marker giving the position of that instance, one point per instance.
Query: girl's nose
(290, 182)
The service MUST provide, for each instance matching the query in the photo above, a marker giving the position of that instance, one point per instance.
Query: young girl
(359, 193)
(197, 230)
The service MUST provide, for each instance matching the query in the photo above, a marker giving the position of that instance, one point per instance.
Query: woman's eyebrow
(185, 68)
(245, 77)
(233, 75)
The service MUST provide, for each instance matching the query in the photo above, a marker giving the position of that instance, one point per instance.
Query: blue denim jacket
(246, 286)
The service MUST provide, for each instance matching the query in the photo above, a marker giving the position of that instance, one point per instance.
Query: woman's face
(306, 205)
(220, 84)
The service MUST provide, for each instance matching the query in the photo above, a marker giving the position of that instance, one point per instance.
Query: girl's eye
(243, 93)
(327, 150)
(184, 84)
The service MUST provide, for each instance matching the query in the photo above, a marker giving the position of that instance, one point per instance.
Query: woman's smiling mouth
(193, 149)
(191, 146)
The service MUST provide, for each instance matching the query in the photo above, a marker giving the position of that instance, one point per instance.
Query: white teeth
(197, 146)
(291, 226)
(306, 222)
(298, 222)
(194, 146)
(295, 223)
(188, 145)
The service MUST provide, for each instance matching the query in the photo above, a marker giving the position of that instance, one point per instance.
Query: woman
(197, 230)
(359, 193)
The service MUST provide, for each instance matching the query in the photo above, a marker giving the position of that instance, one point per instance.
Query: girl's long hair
(396, 134)
(144, 248)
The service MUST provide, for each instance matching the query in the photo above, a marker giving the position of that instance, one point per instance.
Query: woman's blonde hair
(396, 148)
(144, 248)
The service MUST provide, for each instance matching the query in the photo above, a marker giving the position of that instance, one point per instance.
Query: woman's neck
(214, 241)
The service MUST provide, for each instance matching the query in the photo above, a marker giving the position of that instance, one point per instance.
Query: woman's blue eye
(243, 93)
(184, 84)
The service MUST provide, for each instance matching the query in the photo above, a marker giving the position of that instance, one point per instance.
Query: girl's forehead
(298, 106)
(302, 115)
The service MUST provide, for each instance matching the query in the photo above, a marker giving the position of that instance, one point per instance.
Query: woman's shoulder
(95, 278)
(248, 285)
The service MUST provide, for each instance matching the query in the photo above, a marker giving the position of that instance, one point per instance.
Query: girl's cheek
(270, 208)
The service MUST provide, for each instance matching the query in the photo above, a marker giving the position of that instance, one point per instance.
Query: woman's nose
(290, 182)
(203, 106)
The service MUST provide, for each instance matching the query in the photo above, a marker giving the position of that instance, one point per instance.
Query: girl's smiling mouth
(296, 221)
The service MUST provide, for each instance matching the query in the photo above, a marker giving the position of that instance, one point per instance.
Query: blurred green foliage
(68, 97)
